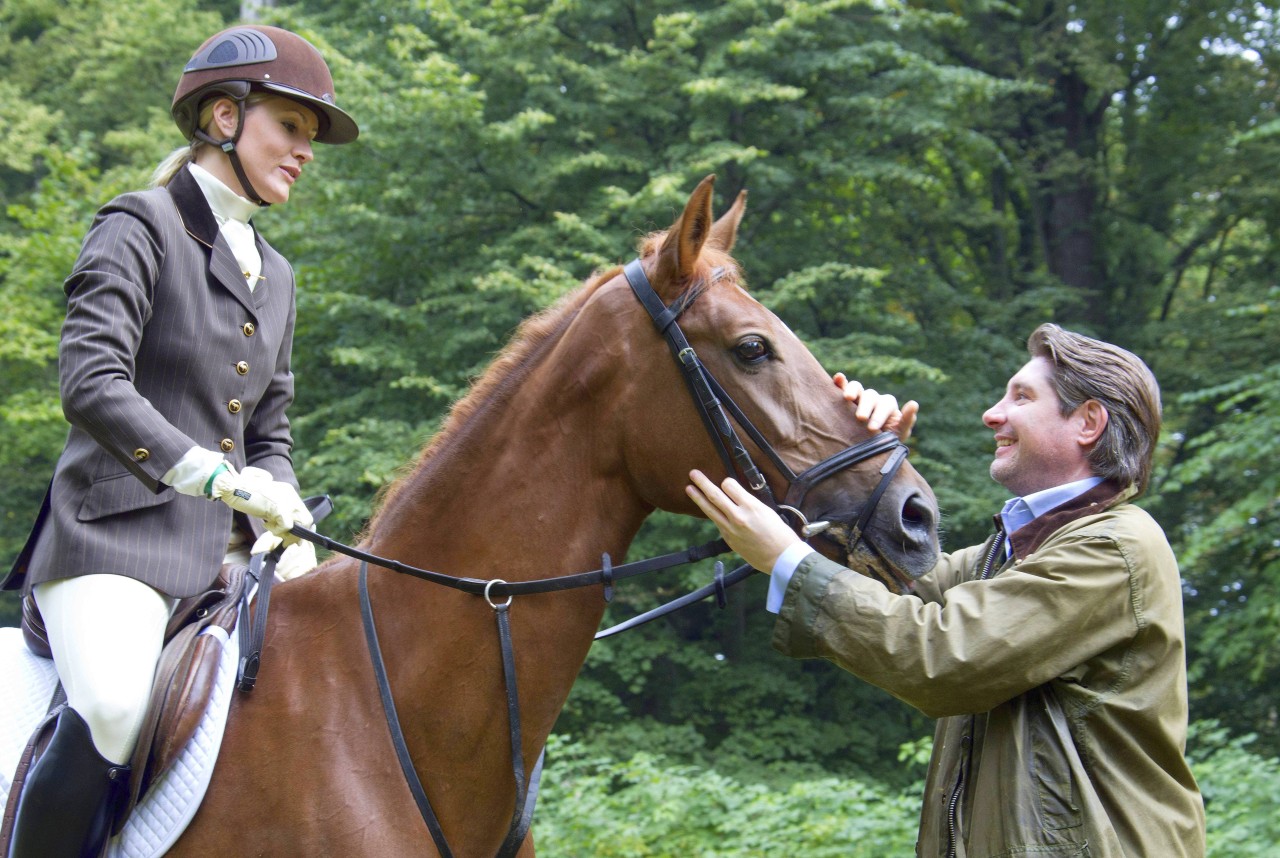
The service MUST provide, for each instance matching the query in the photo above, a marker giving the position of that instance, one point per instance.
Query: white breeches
(106, 632)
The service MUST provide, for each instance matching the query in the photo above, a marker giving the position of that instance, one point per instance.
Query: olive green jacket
(1059, 681)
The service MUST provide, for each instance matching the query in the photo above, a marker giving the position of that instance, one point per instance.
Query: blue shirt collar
(1019, 512)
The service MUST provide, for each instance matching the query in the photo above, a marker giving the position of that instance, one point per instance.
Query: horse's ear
(725, 231)
(678, 256)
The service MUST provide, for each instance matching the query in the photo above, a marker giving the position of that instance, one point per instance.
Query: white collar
(226, 203)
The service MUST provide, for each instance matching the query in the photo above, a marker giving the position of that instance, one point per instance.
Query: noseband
(715, 407)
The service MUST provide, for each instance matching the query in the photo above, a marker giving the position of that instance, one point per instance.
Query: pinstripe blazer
(163, 348)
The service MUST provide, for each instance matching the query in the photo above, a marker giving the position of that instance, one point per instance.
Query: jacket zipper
(988, 565)
(953, 805)
(952, 808)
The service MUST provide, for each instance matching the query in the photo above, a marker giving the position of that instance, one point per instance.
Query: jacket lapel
(201, 225)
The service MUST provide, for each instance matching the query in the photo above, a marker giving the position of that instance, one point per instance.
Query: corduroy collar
(1103, 496)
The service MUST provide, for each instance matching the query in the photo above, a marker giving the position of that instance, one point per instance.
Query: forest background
(929, 181)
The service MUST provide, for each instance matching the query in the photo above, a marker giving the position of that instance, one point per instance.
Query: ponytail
(169, 167)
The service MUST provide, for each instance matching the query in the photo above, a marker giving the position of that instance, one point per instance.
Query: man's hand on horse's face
(753, 530)
(879, 411)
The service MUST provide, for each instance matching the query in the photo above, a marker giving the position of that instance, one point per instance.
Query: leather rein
(715, 407)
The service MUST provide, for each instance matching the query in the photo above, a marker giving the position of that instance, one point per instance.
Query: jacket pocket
(119, 493)
(1054, 763)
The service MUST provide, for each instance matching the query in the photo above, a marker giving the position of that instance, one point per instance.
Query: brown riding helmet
(250, 56)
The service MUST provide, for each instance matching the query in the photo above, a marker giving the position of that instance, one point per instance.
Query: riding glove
(255, 492)
(297, 559)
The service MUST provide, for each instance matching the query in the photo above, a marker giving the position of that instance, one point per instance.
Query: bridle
(715, 407)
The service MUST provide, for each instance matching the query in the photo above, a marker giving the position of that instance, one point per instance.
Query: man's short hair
(1084, 369)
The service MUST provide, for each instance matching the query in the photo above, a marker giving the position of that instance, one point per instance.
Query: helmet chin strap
(228, 146)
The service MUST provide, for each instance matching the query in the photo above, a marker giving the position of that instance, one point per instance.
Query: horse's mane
(511, 365)
(522, 352)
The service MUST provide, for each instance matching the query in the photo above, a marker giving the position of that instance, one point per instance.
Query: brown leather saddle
(185, 674)
(185, 677)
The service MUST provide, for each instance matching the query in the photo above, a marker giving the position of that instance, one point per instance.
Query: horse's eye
(752, 350)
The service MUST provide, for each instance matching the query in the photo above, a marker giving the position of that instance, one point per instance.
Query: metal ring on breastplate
(489, 599)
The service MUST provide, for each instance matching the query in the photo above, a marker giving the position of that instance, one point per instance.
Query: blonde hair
(184, 155)
(1084, 369)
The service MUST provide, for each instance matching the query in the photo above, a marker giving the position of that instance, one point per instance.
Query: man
(1053, 654)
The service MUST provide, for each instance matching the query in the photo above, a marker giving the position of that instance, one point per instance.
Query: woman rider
(175, 375)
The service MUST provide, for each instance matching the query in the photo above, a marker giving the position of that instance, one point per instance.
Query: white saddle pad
(171, 802)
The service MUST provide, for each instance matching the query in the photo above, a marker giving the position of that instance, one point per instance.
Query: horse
(578, 430)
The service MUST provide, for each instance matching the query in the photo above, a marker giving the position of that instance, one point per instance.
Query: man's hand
(878, 410)
(755, 532)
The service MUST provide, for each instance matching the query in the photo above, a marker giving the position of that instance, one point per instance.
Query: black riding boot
(70, 796)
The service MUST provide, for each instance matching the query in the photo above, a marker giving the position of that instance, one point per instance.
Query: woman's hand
(755, 532)
(878, 410)
(256, 492)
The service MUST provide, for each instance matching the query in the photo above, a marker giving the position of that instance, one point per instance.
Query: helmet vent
(235, 48)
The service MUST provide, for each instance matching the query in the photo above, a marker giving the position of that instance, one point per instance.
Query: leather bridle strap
(393, 720)
(715, 406)
(251, 629)
(733, 453)
(476, 587)
(851, 456)
(716, 588)
(799, 484)
(526, 788)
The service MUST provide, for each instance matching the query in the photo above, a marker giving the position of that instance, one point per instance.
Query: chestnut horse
(578, 430)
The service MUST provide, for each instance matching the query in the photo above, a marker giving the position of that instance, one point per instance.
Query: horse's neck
(525, 492)
(535, 474)
(521, 496)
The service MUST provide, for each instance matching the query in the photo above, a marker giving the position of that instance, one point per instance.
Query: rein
(714, 407)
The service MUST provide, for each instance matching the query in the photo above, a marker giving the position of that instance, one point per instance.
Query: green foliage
(591, 804)
(928, 182)
(1240, 787)
(35, 256)
(589, 808)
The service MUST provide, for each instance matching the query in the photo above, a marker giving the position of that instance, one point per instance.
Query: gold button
(248, 329)
(142, 454)
(243, 367)
(227, 445)
(234, 406)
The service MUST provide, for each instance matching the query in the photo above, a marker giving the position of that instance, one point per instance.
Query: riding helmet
(250, 56)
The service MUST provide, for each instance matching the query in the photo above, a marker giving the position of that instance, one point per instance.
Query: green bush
(593, 807)
(1241, 792)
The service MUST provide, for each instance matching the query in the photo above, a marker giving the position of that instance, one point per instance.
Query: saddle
(185, 674)
(184, 682)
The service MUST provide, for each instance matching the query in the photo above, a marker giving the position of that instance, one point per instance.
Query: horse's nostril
(914, 511)
(918, 516)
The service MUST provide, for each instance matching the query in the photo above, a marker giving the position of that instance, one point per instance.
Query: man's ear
(1094, 415)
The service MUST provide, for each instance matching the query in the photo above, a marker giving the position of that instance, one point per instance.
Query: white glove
(298, 559)
(255, 492)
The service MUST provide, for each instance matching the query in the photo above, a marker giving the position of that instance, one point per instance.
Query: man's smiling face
(1036, 446)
